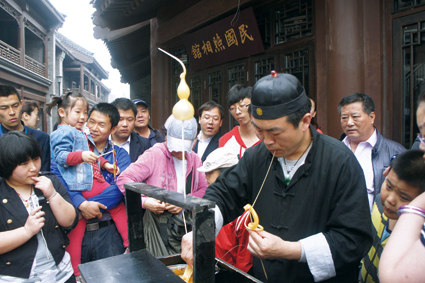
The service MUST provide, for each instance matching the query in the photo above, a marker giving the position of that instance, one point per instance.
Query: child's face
(77, 115)
(395, 193)
(23, 173)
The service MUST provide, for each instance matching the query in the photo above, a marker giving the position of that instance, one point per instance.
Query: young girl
(79, 166)
(34, 211)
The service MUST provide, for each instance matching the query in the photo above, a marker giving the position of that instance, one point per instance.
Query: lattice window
(215, 86)
(413, 76)
(402, 5)
(263, 67)
(293, 20)
(236, 75)
(195, 86)
(297, 64)
(264, 20)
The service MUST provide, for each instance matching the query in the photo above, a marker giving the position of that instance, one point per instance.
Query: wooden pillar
(22, 39)
(160, 80)
(82, 79)
(345, 56)
(349, 56)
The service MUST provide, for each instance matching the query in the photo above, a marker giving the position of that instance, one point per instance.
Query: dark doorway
(408, 74)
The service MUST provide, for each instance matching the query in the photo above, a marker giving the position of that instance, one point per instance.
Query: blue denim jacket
(64, 140)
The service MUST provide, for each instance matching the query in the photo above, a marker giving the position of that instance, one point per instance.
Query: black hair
(66, 101)
(15, 149)
(237, 93)
(29, 106)
(367, 102)
(410, 167)
(295, 117)
(109, 110)
(125, 104)
(209, 105)
(6, 90)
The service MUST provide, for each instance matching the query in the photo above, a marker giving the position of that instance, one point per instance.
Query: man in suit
(10, 119)
(125, 136)
(210, 119)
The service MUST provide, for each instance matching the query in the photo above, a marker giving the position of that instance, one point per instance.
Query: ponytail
(65, 101)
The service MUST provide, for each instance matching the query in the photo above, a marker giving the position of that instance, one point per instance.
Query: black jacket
(13, 215)
(43, 140)
(382, 152)
(416, 144)
(138, 145)
(326, 195)
(210, 147)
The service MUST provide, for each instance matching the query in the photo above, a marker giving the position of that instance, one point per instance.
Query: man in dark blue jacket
(142, 127)
(125, 136)
(10, 119)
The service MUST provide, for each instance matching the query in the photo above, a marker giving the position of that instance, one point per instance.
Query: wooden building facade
(334, 47)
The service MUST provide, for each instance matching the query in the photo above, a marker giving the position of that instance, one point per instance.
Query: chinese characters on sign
(221, 42)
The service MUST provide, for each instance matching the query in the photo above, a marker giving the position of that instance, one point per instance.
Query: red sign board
(224, 41)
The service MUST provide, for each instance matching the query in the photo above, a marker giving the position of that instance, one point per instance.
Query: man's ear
(113, 129)
(306, 120)
(372, 116)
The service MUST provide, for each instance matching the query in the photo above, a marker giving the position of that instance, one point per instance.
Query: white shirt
(125, 145)
(181, 181)
(202, 144)
(363, 154)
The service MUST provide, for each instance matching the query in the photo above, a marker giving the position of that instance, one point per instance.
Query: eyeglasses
(241, 107)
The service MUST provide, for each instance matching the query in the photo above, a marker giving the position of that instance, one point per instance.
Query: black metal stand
(203, 225)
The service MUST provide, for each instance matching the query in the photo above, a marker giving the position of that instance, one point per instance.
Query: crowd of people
(348, 210)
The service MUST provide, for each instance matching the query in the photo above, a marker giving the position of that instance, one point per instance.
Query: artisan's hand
(89, 157)
(35, 222)
(187, 248)
(110, 168)
(172, 208)
(91, 209)
(265, 245)
(45, 185)
(154, 205)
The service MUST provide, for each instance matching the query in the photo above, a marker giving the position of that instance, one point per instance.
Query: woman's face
(23, 173)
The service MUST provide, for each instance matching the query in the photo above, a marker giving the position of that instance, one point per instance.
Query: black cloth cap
(276, 96)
